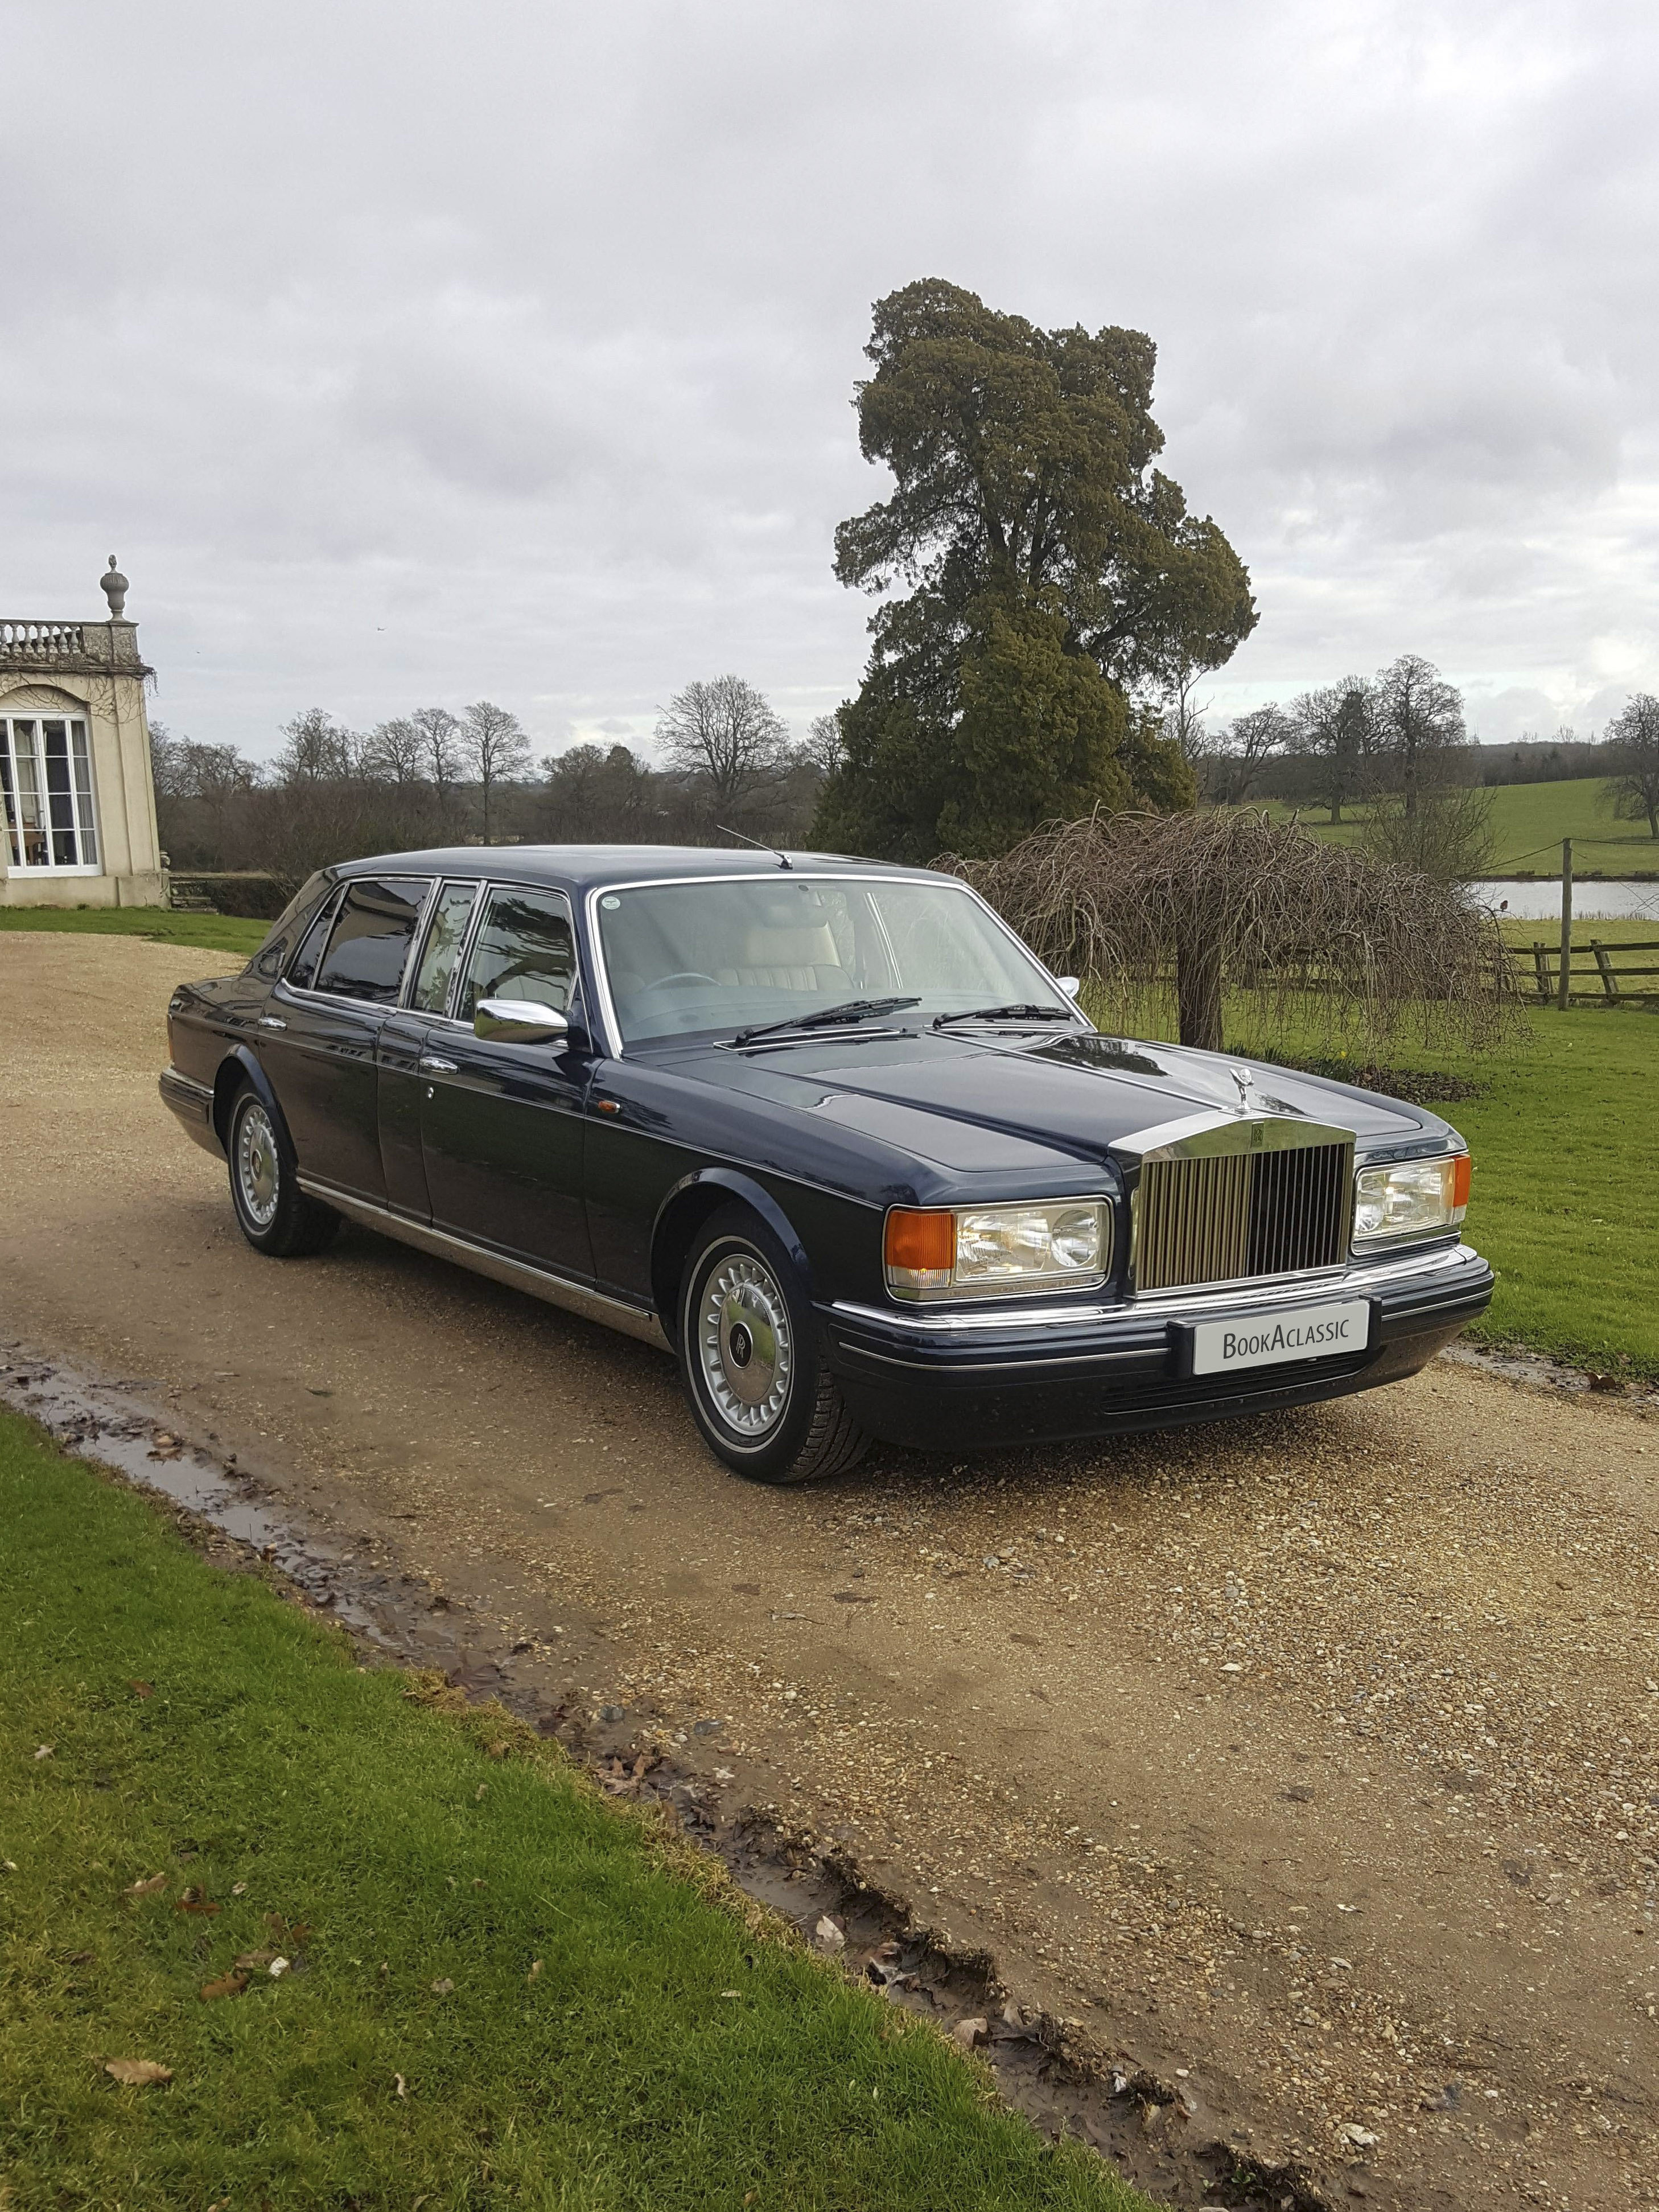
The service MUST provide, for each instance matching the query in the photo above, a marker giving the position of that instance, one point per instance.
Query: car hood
(943, 1096)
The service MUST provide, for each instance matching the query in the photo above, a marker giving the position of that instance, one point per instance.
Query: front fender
(682, 1212)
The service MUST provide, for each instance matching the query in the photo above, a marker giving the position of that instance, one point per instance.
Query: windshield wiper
(1017, 1012)
(851, 1010)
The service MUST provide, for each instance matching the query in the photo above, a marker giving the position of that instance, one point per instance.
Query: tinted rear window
(368, 948)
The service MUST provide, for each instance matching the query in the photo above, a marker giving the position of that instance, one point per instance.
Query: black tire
(762, 1327)
(272, 1211)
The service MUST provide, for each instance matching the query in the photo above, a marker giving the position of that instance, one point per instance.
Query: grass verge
(1529, 821)
(161, 1718)
(219, 933)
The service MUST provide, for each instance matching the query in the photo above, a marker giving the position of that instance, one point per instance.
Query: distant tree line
(434, 777)
(1392, 750)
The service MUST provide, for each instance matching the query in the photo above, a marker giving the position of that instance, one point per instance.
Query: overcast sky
(405, 354)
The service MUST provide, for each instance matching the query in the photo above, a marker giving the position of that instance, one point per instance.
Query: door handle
(272, 1022)
(431, 1064)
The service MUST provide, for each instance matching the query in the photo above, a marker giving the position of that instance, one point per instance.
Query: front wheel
(749, 1355)
(272, 1212)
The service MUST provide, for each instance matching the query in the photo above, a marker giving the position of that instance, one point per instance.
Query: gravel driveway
(1313, 1756)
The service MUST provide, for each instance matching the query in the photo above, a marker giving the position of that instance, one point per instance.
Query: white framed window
(45, 795)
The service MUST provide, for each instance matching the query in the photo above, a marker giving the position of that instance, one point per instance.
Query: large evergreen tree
(1059, 587)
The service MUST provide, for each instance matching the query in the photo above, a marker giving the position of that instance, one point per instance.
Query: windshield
(720, 956)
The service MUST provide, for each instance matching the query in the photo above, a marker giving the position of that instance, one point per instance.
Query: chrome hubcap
(256, 1166)
(744, 1344)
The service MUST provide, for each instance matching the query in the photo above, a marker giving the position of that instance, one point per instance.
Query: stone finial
(113, 585)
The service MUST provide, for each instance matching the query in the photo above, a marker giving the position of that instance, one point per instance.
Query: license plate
(1267, 1340)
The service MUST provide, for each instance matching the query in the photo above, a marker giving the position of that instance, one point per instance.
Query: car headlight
(1412, 1198)
(976, 1251)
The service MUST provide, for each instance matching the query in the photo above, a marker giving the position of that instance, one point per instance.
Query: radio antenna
(759, 844)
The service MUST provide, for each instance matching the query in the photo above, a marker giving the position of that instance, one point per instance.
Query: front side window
(368, 946)
(445, 935)
(718, 956)
(524, 949)
(45, 795)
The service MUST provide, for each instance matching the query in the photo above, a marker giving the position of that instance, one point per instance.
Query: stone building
(76, 797)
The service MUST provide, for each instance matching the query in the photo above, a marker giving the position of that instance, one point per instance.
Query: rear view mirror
(519, 1021)
(1070, 984)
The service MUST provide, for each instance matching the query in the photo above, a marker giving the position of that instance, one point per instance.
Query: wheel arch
(238, 1067)
(683, 1213)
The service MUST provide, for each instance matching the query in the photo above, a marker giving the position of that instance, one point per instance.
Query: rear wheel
(750, 1357)
(272, 1212)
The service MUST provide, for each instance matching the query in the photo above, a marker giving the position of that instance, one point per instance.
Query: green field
(1529, 821)
(502, 1990)
(218, 931)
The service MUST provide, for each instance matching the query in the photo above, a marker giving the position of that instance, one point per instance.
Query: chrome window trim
(308, 996)
(412, 975)
(486, 884)
(607, 1007)
(1255, 1291)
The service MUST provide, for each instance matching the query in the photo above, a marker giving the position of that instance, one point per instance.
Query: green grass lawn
(1565, 1195)
(1529, 821)
(161, 1718)
(221, 933)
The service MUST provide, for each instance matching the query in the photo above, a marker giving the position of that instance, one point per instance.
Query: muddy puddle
(1156, 2131)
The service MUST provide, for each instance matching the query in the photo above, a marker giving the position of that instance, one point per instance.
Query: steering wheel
(680, 975)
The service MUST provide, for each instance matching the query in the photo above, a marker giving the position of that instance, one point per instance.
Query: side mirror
(519, 1021)
(1070, 984)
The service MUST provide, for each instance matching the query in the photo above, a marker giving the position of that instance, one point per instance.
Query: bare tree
(1311, 933)
(441, 732)
(1335, 729)
(318, 749)
(1417, 719)
(725, 733)
(826, 743)
(495, 748)
(1243, 749)
(1633, 787)
(395, 750)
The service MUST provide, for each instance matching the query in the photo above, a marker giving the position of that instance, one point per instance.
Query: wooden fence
(1596, 972)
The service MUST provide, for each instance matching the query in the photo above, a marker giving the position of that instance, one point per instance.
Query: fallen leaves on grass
(248, 1961)
(443, 1988)
(45, 1751)
(197, 1900)
(239, 1889)
(227, 1985)
(400, 2086)
(141, 1689)
(535, 1969)
(278, 1968)
(138, 2073)
(146, 1888)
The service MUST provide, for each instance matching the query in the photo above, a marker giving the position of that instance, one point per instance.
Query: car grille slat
(1224, 1217)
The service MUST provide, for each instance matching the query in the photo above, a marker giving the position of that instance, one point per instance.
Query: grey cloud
(410, 353)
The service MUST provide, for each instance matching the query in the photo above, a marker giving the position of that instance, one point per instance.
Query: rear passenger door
(501, 1125)
(319, 1035)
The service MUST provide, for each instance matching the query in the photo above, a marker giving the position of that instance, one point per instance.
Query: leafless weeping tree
(1314, 936)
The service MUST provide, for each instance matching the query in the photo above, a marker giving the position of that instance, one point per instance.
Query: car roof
(581, 867)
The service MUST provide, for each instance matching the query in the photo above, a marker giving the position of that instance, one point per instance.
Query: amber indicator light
(1461, 1180)
(920, 1240)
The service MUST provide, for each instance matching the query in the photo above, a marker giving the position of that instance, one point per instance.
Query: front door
(502, 1129)
(319, 1035)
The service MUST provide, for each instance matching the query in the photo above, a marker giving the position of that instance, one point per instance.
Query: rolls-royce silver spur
(828, 1133)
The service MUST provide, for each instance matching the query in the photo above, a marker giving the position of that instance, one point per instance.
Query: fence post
(1609, 982)
(1540, 961)
(1564, 981)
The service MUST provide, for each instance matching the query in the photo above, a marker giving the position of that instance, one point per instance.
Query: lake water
(1591, 902)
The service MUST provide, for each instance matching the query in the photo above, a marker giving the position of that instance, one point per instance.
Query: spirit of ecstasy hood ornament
(1242, 1077)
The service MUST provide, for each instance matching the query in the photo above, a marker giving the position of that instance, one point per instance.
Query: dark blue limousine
(828, 1133)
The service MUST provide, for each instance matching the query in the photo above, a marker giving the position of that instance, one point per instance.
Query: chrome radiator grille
(1217, 1220)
